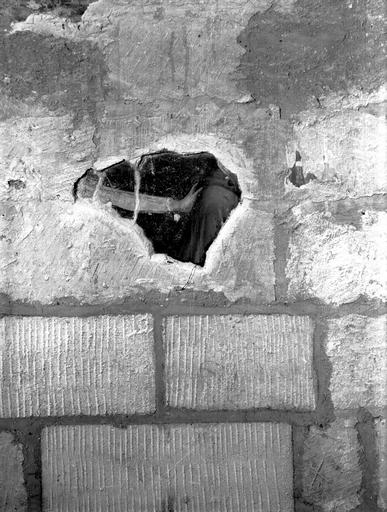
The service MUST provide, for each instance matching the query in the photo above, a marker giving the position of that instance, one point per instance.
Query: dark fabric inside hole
(170, 174)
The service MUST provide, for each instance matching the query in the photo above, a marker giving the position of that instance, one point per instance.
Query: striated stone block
(331, 472)
(239, 362)
(357, 348)
(211, 468)
(13, 496)
(338, 262)
(71, 366)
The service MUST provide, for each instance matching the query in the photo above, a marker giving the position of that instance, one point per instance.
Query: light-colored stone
(71, 366)
(345, 151)
(338, 263)
(46, 153)
(211, 468)
(381, 436)
(331, 471)
(13, 496)
(239, 362)
(241, 259)
(357, 349)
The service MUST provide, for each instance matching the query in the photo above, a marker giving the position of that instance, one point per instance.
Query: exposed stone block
(381, 436)
(13, 496)
(72, 366)
(239, 362)
(357, 348)
(189, 50)
(331, 472)
(211, 468)
(335, 262)
(345, 151)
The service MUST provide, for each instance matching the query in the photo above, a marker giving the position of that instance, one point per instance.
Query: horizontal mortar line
(376, 412)
(374, 201)
(170, 416)
(307, 307)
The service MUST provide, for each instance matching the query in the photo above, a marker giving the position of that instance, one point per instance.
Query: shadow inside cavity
(185, 236)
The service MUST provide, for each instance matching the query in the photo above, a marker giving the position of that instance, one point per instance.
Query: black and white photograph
(193, 256)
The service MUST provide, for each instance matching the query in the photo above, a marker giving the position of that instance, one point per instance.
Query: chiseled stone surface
(357, 348)
(381, 436)
(13, 496)
(196, 468)
(337, 263)
(239, 362)
(71, 366)
(331, 472)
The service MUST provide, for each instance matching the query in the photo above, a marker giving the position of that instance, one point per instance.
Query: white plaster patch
(337, 263)
(47, 153)
(346, 152)
(53, 248)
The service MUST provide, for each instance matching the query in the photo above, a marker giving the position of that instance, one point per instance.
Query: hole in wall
(180, 200)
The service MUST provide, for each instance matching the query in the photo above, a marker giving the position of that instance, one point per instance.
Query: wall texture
(133, 382)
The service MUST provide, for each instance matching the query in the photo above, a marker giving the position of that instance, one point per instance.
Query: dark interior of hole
(296, 173)
(170, 174)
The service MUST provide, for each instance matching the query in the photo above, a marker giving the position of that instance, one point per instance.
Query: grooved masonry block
(69, 366)
(148, 468)
(357, 349)
(13, 496)
(238, 362)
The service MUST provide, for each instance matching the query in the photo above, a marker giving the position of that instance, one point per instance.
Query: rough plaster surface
(88, 252)
(47, 153)
(239, 362)
(158, 51)
(331, 471)
(13, 496)
(66, 366)
(335, 262)
(357, 348)
(212, 468)
(381, 432)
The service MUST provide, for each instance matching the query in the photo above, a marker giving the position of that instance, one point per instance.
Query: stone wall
(133, 382)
